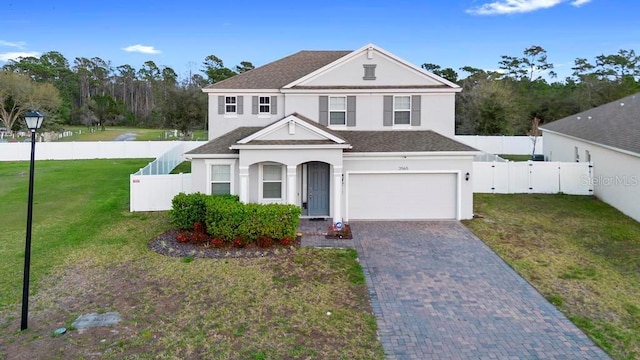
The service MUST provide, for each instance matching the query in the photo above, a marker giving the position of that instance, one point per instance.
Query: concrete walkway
(439, 292)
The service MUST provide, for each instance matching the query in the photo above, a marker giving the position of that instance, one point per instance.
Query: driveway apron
(439, 292)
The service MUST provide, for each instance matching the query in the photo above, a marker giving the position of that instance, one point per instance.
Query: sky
(450, 33)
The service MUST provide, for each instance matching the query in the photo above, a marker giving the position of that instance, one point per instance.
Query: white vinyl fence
(83, 150)
(155, 192)
(532, 177)
(510, 145)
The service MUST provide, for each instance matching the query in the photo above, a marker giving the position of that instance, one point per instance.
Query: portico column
(291, 184)
(337, 194)
(243, 192)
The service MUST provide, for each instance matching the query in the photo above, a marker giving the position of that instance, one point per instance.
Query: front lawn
(90, 255)
(580, 253)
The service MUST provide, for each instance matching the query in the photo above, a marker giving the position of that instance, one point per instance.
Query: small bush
(187, 210)
(230, 220)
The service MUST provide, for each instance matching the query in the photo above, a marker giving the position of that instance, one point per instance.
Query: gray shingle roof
(361, 141)
(281, 72)
(612, 124)
(401, 141)
(220, 145)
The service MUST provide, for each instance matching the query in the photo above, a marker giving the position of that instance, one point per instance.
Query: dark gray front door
(318, 189)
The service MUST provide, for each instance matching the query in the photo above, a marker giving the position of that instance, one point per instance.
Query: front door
(318, 189)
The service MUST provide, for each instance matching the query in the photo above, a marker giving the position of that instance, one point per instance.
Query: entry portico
(288, 157)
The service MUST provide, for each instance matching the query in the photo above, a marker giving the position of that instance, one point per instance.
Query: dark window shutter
(387, 116)
(240, 103)
(274, 105)
(324, 110)
(351, 111)
(415, 110)
(254, 105)
(220, 105)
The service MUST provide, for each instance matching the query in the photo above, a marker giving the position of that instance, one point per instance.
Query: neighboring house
(343, 134)
(609, 137)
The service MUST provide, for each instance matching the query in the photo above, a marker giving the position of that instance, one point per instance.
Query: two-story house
(348, 135)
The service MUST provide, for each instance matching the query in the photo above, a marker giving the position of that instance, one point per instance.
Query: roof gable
(390, 71)
(616, 124)
(293, 128)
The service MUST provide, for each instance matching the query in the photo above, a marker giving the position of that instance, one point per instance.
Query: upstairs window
(402, 110)
(230, 105)
(264, 105)
(337, 110)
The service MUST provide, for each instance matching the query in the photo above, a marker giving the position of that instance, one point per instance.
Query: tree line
(91, 91)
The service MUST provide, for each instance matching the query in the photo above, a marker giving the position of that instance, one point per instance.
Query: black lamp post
(34, 121)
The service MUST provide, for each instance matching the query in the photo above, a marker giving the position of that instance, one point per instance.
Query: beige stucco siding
(437, 111)
(388, 72)
(616, 175)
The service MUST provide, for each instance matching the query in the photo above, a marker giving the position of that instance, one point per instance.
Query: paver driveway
(440, 293)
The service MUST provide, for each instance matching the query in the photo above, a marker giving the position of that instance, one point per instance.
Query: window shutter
(254, 105)
(240, 103)
(415, 110)
(351, 111)
(387, 116)
(274, 105)
(221, 105)
(324, 110)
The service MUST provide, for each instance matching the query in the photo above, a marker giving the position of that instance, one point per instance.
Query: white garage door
(402, 196)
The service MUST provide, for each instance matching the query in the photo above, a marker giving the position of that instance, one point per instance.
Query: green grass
(111, 133)
(91, 255)
(580, 253)
(184, 168)
(516, 157)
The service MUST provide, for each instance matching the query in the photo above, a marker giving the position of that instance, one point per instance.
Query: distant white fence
(532, 177)
(511, 145)
(83, 150)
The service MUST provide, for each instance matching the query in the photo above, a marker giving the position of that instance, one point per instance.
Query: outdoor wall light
(34, 121)
(466, 176)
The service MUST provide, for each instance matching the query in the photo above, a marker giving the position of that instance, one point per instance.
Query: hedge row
(228, 219)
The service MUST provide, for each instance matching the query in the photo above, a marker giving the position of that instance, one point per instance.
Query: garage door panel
(402, 196)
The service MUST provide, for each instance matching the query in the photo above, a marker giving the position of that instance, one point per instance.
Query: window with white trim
(230, 105)
(272, 176)
(264, 105)
(402, 110)
(337, 110)
(220, 179)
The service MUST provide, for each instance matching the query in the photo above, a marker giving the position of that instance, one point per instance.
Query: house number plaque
(403, 168)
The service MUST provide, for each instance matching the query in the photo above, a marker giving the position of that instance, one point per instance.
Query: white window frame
(234, 104)
(232, 168)
(401, 110)
(344, 111)
(267, 105)
(283, 183)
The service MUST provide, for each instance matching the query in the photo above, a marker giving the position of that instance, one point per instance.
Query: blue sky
(450, 33)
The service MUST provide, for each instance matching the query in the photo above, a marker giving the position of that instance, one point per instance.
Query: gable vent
(369, 72)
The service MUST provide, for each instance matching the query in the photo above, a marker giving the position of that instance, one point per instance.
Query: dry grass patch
(579, 252)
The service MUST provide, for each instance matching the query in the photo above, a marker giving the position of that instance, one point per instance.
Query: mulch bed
(167, 244)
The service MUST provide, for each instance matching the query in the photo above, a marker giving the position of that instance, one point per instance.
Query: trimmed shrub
(231, 220)
(187, 210)
(224, 215)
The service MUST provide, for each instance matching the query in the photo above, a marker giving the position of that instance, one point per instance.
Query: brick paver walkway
(440, 293)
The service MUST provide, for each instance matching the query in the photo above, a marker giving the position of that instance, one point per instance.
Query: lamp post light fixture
(34, 121)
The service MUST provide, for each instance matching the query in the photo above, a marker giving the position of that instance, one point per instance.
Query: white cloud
(502, 7)
(578, 3)
(145, 49)
(16, 44)
(18, 54)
